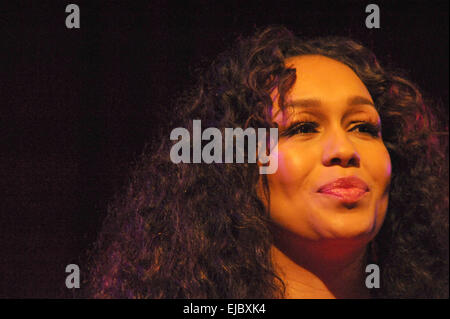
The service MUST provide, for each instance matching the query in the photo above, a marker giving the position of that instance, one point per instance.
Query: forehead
(323, 78)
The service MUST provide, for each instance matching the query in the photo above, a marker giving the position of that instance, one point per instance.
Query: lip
(346, 189)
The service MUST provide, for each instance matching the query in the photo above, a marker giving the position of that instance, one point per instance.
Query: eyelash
(297, 127)
(371, 129)
(308, 127)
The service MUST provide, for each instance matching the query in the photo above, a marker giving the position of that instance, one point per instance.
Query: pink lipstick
(347, 189)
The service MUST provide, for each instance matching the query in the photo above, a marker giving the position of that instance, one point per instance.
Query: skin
(320, 241)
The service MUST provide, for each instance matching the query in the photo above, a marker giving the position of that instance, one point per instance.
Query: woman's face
(333, 167)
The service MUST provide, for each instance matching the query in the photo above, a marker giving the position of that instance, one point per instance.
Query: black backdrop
(78, 105)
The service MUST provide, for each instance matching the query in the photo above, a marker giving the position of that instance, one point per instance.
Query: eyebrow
(351, 101)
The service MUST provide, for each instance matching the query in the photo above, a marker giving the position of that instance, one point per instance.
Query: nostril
(353, 162)
(335, 161)
(338, 161)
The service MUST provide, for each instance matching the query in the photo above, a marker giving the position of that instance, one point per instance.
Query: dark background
(78, 105)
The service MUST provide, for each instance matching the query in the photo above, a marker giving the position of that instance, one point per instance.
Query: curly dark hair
(201, 231)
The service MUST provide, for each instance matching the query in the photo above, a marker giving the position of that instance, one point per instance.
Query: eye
(301, 128)
(367, 128)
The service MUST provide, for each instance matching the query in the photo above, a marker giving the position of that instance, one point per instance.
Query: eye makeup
(306, 125)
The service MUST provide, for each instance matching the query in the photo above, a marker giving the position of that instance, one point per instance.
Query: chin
(356, 226)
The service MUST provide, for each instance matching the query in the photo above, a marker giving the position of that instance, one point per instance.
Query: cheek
(294, 165)
(289, 188)
(379, 167)
(381, 174)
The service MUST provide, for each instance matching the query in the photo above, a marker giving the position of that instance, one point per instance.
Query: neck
(321, 269)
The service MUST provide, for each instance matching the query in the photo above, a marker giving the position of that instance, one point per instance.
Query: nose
(339, 150)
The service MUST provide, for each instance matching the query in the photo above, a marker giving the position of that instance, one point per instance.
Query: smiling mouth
(345, 195)
(348, 190)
